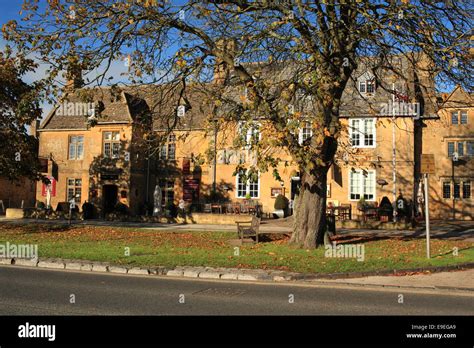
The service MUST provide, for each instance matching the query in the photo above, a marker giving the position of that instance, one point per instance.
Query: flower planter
(279, 213)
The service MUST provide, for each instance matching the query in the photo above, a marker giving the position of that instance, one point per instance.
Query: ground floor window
(74, 190)
(446, 189)
(362, 184)
(167, 191)
(248, 185)
(460, 189)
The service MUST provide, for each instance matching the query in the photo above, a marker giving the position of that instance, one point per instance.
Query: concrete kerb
(228, 273)
(6, 261)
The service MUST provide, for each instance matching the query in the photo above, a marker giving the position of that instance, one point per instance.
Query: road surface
(25, 291)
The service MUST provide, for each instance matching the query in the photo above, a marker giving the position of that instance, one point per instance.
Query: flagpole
(394, 157)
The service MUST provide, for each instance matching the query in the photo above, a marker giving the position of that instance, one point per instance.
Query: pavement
(25, 291)
(150, 225)
(460, 280)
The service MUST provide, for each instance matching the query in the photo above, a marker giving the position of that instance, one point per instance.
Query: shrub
(171, 209)
(281, 203)
(362, 204)
(121, 208)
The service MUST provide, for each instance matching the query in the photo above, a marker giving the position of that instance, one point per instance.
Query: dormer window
(305, 133)
(366, 83)
(370, 86)
(250, 133)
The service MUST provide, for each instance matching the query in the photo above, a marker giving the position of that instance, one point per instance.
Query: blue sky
(9, 9)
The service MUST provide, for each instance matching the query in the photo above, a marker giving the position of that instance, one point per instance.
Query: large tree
(19, 108)
(274, 53)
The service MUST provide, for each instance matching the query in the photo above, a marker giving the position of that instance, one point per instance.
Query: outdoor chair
(207, 208)
(236, 208)
(248, 228)
(345, 212)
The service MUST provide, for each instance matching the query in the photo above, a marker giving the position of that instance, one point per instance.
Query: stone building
(450, 138)
(101, 143)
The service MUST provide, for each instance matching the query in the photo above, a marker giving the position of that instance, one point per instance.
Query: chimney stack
(74, 74)
(34, 128)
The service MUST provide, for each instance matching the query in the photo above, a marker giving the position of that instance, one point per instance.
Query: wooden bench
(252, 229)
(248, 228)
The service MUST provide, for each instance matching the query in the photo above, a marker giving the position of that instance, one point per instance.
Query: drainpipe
(148, 175)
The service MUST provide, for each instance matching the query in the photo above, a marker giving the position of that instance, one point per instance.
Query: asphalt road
(25, 291)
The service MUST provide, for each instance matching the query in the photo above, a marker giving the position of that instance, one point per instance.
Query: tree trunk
(310, 210)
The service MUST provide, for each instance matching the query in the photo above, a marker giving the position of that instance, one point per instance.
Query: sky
(9, 10)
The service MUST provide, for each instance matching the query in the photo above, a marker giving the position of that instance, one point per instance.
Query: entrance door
(295, 187)
(109, 196)
(295, 190)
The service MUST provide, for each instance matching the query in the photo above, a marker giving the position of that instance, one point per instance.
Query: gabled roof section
(458, 98)
(161, 102)
(72, 111)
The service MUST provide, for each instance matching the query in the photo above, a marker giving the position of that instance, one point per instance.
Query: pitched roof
(129, 104)
(457, 98)
(73, 109)
(159, 103)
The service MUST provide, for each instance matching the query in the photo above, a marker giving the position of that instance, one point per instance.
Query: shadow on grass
(36, 228)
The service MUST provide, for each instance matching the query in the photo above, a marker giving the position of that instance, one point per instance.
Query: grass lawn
(165, 248)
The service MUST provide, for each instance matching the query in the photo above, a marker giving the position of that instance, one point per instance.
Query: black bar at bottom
(333, 330)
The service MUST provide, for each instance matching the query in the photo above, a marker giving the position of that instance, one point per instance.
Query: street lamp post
(455, 158)
(214, 188)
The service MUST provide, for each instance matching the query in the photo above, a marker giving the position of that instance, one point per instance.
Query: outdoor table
(342, 212)
(216, 206)
(370, 213)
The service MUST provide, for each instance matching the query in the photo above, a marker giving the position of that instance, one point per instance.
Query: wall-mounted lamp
(382, 182)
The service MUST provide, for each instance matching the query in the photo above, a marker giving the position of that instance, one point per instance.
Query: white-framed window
(76, 147)
(366, 83)
(362, 132)
(251, 186)
(370, 86)
(111, 148)
(361, 184)
(74, 190)
(168, 149)
(250, 133)
(305, 132)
